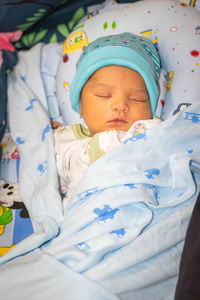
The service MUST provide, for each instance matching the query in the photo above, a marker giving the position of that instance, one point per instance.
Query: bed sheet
(15, 223)
(110, 218)
(66, 266)
(39, 22)
(120, 207)
(36, 22)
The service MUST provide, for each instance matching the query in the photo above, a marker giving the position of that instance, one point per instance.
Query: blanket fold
(121, 236)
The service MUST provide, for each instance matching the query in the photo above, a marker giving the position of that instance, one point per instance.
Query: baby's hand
(56, 124)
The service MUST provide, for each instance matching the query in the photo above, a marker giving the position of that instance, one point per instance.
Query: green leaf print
(79, 14)
(79, 27)
(38, 14)
(42, 10)
(53, 38)
(105, 25)
(114, 25)
(25, 40)
(8, 71)
(33, 37)
(40, 35)
(24, 27)
(62, 28)
(32, 20)
(17, 45)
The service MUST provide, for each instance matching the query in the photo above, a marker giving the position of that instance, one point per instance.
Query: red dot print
(15, 154)
(194, 53)
(65, 58)
(162, 102)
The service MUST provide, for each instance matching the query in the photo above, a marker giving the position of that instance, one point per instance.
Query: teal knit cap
(124, 49)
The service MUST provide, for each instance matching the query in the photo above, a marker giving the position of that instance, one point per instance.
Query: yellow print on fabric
(75, 42)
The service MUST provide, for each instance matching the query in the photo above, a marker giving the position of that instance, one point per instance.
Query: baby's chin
(112, 128)
(121, 127)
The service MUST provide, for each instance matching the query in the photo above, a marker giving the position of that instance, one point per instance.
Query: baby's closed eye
(139, 97)
(102, 94)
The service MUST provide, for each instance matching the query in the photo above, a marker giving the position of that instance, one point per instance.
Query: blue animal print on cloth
(20, 140)
(45, 131)
(23, 78)
(30, 107)
(193, 117)
(119, 232)
(41, 168)
(190, 151)
(151, 173)
(92, 191)
(136, 138)
(82, 246)
(88, 193)
(105, 213)
(130, 185)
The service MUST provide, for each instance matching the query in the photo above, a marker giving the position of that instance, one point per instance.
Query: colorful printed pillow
(174, 29)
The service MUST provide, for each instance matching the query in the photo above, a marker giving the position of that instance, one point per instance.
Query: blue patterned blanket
(122, 234)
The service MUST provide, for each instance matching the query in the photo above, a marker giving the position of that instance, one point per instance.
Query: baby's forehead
(112, 73)
(116, 83)
(115, 69)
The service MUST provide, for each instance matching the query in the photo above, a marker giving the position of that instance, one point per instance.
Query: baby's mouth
(117, 122)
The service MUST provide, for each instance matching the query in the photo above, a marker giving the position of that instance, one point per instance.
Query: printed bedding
(46, 22)
(122, 234)
(120, 207)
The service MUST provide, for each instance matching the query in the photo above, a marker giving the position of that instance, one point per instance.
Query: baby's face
(114, 98)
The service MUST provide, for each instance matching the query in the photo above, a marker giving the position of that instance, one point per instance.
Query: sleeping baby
(115, 90)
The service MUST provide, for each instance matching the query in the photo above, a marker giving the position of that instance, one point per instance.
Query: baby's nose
(120, 104)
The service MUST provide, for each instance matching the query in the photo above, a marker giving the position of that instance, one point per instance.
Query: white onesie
(76, 149)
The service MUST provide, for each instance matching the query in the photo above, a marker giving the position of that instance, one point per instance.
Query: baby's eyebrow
(102, 84)
(142, 90)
